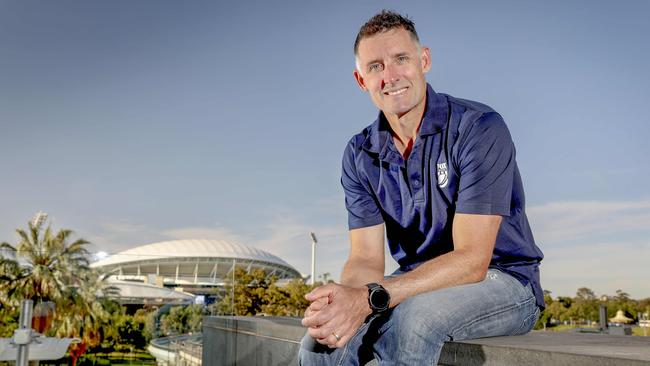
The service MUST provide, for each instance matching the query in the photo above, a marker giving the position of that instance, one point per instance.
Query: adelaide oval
(178, 271)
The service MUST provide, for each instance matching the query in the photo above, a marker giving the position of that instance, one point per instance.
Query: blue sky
(136, 122)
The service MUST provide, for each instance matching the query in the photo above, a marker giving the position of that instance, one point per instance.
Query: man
(437, 175)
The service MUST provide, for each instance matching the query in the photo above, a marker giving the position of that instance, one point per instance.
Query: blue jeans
(413, 332)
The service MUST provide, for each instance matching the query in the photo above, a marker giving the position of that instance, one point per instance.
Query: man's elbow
(478, 270)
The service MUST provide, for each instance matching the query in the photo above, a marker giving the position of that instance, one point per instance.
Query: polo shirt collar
(434, 121)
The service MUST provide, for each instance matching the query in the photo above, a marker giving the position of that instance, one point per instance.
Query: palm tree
(85, 317)
(47, 267)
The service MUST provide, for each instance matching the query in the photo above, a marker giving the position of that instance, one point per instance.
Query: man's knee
(413, 333)
(418, 316)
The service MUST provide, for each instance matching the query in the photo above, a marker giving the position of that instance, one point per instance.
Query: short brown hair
(382, 22)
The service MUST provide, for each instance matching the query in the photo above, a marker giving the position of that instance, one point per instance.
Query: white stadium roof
(134, 292)
(197, 266)
(196, 248)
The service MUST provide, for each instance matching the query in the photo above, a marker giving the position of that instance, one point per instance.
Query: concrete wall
(251, 340)
(269, 341)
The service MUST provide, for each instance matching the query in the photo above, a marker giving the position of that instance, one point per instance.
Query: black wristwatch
(378, 298)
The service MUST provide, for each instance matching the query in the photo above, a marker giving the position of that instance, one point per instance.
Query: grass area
(136, 358)
(564, 327)
(636, 330)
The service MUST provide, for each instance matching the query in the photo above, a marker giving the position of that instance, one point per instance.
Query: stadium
(180, 270)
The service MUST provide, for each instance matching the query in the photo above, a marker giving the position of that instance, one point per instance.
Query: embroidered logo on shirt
(443, 176)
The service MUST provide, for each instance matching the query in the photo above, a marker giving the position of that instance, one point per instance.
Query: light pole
(313, 257)
(23, 335)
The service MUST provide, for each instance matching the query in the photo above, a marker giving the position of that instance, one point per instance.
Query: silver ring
(338, 337)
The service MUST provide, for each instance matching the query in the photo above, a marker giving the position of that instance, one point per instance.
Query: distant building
(177, 271)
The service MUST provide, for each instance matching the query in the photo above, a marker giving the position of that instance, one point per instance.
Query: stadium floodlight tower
(39, 218)
(313, 257)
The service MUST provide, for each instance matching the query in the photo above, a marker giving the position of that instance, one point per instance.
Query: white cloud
(604, 267)
(124, 227)
(198, 232)
(597, 244)
(287, 236)
(114, 237)
(559, 222)
(600, 245)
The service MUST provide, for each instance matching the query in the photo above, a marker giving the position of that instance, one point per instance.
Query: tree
(565, 301)
(47, 266)
(585, 305)
(257, 293)
(9, 271)
(326, 277)
(557, 311)
(182, 319)
(585, 293)
(623, 302)
(249, 293)
(288, 300)
(130, 331)
(545, 317)
(622, 296)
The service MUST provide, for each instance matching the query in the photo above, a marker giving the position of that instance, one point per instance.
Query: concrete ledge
(549, 348)
(275, 341)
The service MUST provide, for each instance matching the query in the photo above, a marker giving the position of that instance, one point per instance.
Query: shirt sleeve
(486, 162)
(362, 207)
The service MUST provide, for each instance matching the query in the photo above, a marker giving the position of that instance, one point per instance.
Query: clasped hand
(335, 313)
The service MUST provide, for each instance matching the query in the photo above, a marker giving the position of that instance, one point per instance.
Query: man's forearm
(451, 269)
(357, 273)
(474, 237)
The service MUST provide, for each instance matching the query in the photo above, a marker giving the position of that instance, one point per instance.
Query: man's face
(391, 67)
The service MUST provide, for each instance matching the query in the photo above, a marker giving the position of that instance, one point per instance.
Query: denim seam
(346, 347)
(526, 320)
(493, 313)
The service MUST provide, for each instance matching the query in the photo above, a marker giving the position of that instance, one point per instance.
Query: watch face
(380, 298)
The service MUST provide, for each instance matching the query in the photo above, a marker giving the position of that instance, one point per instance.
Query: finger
(323, 341)
(315, 307)
(318, 304)
(320, 317)
(329, 341)
(317, 334)
(314, 319)
(323, 332)
(344, 339)
(320, 292)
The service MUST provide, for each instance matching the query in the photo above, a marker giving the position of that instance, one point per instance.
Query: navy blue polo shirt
(463, 160)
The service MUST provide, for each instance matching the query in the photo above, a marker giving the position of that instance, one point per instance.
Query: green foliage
(256, 293)
(8, 321)
(288, 300)
(50, 266)
(123, 331)
(586, 294)
(182, 319)
(130, 331)
(151, 330)
(583, 309)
